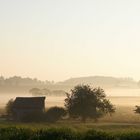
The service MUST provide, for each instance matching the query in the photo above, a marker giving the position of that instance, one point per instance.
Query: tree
(137, 110)
(85, 102)
(9, 108)
(35, 91)
(54, 114)
(40, 92)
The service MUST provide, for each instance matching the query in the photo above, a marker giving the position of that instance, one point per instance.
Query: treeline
(19, 81)
(103, 81)
(25, 84)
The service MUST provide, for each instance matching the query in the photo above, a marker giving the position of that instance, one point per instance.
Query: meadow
(124, 124)
(69, 131)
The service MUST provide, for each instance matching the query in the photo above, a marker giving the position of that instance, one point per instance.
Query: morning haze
(58, 40)
(68, 63)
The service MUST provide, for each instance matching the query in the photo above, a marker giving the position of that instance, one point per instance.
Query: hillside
(107, 82)
(18, 84)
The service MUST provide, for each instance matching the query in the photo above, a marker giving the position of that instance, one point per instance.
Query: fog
(119, 97)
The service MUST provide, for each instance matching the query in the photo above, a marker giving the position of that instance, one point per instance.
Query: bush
(54, 114)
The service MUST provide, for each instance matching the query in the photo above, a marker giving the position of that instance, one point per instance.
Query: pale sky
(59, 39)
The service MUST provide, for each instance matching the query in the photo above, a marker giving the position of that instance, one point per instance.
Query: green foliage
(9, 108)
(55, 134)
(97, 135)
(54, 114)
(13, 133)
(85, 102)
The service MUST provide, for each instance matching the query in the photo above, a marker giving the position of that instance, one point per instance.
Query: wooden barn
(23, 106)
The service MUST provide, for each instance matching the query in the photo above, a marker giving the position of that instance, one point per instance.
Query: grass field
(124, 119)
(69, 131)
(124, 124)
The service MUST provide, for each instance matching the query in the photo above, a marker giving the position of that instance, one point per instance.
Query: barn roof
(29, 103)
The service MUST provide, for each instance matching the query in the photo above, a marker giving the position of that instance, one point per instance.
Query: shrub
(54, 114)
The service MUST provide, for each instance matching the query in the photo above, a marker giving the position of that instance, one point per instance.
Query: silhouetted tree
(137, 110)
(85, 102)
(35, 91)
(2, 81)
(9, 108)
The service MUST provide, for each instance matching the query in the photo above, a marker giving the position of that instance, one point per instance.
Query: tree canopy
(86, 102)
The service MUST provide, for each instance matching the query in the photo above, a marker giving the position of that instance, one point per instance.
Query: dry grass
(123, 114)
(124, 119)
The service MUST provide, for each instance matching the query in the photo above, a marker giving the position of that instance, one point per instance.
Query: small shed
(23, 106)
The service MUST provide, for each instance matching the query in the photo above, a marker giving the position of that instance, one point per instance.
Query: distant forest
(19, 84)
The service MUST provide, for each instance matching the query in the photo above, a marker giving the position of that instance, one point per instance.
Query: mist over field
(121, 91)
(59, 100)
(124, 93)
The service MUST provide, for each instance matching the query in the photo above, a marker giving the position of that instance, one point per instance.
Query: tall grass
(13, 133)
